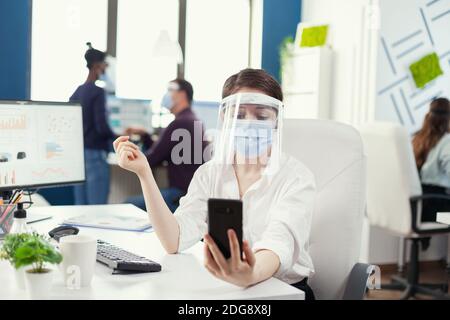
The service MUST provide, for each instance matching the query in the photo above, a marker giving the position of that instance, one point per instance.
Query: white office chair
(334, 153)
(394, 197)
(39, 201)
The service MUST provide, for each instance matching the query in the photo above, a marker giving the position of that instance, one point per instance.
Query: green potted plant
(33, 252)
(285, 51)
(7, 252)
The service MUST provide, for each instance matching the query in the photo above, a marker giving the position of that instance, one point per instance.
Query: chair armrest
(355, 288)
(429, 196)
(414, 212)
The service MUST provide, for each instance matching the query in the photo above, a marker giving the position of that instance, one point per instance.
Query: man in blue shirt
(97, 133)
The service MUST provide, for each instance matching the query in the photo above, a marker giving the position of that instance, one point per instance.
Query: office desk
(182, 277)
(124, 184)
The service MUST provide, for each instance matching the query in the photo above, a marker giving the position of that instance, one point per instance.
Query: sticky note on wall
(314, 36)
(426, 69)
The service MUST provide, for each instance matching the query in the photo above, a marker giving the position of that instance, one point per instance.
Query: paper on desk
(110, 221)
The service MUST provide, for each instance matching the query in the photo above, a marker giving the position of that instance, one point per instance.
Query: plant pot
(38, 285)
(20, 278)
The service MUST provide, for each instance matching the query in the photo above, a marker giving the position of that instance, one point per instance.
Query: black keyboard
(122, 260)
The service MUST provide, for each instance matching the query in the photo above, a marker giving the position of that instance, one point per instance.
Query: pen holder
(6, 217)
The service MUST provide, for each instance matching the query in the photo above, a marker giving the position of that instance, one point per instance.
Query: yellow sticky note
(314, 36)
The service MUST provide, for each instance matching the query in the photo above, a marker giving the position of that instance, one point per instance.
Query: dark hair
(93, 56)
(435, 126)
(186, 87)
(254, 79)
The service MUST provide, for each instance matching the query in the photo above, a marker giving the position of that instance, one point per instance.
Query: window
(60, 30)
(217, 44)
(139, 74)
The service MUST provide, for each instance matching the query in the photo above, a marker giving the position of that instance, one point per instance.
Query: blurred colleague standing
(183, 157)
(97, 133)
(432, 152)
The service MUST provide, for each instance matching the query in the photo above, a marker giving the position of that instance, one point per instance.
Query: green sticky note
(426, 69)
(314, 36)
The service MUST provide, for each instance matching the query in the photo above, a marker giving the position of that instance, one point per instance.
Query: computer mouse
(62, 231)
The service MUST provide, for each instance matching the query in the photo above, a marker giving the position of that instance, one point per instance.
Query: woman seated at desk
(277, 190)
(432, 152)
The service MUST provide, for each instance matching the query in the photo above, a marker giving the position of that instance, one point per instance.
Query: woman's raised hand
(130, 157)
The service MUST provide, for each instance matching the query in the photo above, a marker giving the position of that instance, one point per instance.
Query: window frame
(112, 31)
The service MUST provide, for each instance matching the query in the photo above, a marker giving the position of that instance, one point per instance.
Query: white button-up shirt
(277, 212)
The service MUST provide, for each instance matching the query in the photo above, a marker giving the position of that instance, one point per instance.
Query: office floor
(431, 272)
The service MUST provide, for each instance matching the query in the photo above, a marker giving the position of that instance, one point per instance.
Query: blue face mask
(109, 85)
(167, 101)
(252, 138)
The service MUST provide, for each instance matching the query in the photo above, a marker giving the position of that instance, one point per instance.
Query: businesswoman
(277, 190)
(432, 152)
(97, 133)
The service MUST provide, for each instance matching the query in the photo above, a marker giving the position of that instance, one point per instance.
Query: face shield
(249, 131)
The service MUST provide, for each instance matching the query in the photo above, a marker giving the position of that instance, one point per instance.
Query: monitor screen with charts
(207, 112)
(125, 113)
(41, 144)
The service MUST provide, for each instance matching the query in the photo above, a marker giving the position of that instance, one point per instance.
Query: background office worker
(178, 99)
(97, 133)
(432, 152)
(277, 190)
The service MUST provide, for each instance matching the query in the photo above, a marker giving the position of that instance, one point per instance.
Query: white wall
(346, 20)
(423, 29)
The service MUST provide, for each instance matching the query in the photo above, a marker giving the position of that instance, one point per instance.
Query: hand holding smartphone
(224, 214)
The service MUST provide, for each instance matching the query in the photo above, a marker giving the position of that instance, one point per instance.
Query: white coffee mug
(79, 255)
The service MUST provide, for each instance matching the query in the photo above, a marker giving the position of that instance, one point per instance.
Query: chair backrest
(334, 153)
(39, 201)
(392, 176)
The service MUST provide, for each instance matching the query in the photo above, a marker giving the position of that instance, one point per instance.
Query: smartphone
(224, 214)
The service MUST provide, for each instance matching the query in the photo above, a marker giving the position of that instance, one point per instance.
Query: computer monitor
(125, 113)
(41, 144)
(207, 112)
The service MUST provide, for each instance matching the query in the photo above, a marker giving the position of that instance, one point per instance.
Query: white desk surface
(182, 277)
(443, 217)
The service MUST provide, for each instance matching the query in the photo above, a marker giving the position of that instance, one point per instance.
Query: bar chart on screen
(17, 139)
(13, 122)
(13, 126)
(7, 177)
